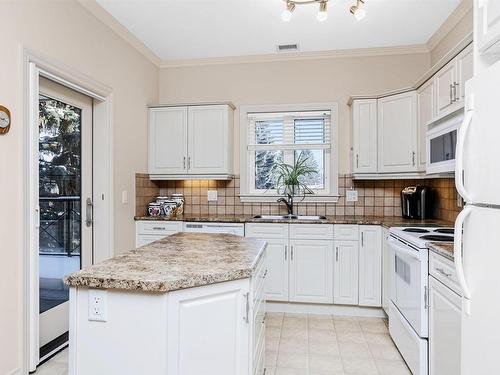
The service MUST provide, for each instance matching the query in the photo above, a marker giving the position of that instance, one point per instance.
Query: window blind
(289, 131)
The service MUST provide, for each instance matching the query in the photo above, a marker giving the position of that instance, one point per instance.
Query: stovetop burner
(445, 230)
(416, 230)
(436, 237)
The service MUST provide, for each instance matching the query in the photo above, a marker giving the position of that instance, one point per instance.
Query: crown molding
(297, 56)
(102, 15)
(453, 19)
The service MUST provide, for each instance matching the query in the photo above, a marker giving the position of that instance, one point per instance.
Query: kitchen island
(187, 304)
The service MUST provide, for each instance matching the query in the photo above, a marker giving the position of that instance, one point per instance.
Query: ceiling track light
(322, 15)
(357, 10)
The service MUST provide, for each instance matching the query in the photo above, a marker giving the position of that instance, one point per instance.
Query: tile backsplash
(375, 198)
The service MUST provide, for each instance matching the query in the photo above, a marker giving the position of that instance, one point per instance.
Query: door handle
(459, 267)
(37, 217)
(88, 212)
(459, 157)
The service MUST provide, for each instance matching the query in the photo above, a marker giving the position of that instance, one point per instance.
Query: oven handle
(398, 247)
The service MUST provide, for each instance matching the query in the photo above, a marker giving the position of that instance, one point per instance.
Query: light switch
(212, 195)
(124, 196)
(351, 195)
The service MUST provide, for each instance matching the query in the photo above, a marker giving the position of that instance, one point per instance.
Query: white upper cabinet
(364, 128)
(191, 142)
(168, 140)
(311, 271)
(346, 269)
(426, 112)
(370, 265)
(487, 30)
(210, 140)
(397, 133)
(450, 81)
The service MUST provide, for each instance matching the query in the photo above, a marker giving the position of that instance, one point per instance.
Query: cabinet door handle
(362, 239)
(189, 162)
(413, 158)
(286, 250)
(357, 161)
(247, 308)
(451, 93)
(184, 163)
(455, 91)
(337, 254)
(291, 254)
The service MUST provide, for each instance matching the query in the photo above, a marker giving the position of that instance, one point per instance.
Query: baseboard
(17, 371)
(341, 310)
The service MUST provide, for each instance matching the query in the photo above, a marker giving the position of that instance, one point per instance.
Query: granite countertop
(445, 249)
(180, 261)
(387, 221)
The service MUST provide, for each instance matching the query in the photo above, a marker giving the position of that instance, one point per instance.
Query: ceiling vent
(287, 47)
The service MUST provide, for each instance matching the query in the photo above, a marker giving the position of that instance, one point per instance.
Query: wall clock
(4, 120)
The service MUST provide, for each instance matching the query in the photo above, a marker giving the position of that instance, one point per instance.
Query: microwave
(441, 145)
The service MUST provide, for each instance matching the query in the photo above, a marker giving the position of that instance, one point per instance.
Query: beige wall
(289, 82)
(456, 28)
(65, 32)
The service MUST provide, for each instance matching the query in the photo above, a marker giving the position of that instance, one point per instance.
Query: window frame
(248, 193)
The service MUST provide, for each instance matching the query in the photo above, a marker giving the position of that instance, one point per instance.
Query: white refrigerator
(477, 229)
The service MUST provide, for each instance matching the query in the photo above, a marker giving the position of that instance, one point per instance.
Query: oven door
(441, 146)
(410, 278)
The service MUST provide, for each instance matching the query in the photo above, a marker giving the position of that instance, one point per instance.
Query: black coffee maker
(416, 202)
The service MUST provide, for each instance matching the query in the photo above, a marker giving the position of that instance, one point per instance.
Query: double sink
(289, 217)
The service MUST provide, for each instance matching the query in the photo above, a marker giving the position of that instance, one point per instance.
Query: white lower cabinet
(445, 317)
(370, 265)
(276, 288)
(311, 271)
(345, 285)
(149, 231)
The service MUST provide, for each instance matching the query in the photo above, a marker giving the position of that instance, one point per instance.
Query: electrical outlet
(98, 305)
(212, 195)
(351, 195)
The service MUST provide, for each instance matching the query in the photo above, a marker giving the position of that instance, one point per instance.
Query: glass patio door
(65, 192)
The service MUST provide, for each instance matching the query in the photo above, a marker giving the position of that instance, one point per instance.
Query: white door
(465, 71)
(218, 344)
(426, 112)
(445, 319)
(488, 25)
(364, 136)
(208, 129)
(397, 133)
(65, 204)
(168, 140)
(479, 135)
(345, 284)
(386, 268)
(444, 81)
(277, 270)
(311, 271)
(370, 265)
(480, 330)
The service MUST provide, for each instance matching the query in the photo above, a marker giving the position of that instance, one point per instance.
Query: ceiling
(193, 29)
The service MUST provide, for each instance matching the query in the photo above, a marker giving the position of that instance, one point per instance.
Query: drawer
(444, 270)
(266, 230)
(311, 231)
(142, 240)
(345, 232)
(158, 227)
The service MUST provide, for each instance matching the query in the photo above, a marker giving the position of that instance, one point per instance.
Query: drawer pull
(159, 228)
(265, 274)
(442, 272)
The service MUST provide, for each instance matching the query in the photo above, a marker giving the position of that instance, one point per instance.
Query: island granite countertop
(386, 221)
(180, 261)
(445, 249)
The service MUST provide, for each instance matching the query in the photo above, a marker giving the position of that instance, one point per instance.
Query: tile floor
(298, 344)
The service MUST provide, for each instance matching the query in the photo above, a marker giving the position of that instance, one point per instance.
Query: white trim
(34, 65)
(166, 177)
(16, 371)
(339, 310)
(296, 56)
(331, 165)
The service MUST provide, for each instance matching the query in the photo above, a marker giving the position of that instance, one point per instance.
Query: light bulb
(322, 14)
(286, 16)
(359, 14)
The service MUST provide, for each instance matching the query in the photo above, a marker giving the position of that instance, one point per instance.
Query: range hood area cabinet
(191, 142)
(386, 137)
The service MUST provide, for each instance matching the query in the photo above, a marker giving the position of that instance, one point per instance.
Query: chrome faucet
(288, 202)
